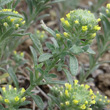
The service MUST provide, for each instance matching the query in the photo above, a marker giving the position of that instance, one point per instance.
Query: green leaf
(73, 65)
(56, 1)
(38, 101)
(31, 75)
(9, 13)
(13, 76)
(4, 2)
(24, 109)
(36, 42)
(7, 33)
(54, 42)
(51, 75)
(50, 46)
(4, 76)
(48, 29)
(54, 99)
(76, 49)
(44, 57)
(68, 76)
(91, 60)
(30, 5)
(90, 51)
(1, 107)
(25, 103)
(34, 54)
(106, 25)
(15, 4)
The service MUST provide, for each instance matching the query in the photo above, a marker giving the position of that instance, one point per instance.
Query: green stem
(30, 88)
(94, 64)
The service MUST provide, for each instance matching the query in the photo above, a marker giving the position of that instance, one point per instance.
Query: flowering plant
(80, 28)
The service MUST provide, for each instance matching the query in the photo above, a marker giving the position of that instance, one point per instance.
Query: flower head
(11, 96)
(83, 24)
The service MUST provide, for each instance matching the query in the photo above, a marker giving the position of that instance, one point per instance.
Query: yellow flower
(66, 93)
(84, 28)
(16, 25)
(61, 104)
(68, 86)
(5, 24)
(89, 11)
(0, 97)
(58, 36)
(87, 86)
(98, 20)
(75, 82)
(62, 20)
(107, 11)
(83, 107)
(89, 109)
(97, 92)
(12, 20)
(82, 85)
(42, 36)
(108, 101)
(20, 19)
(6, 101)
(108, 5)
(75, 101)
(66, 34)
(23, 22)
(100, 99)
(21, 54)
(15, 52)
(67, 103)
(93, 35)
(76, 22)
(86, 102)
(105, 97)
(68, 15)
(67, 23)
(91, 92)
(38, 31)
(4, 89)
(93, 102)
(23, 90)
(10, 87)
(23, 99)
(15, 12)
(16, 98)
(15, 89)
(97, 28)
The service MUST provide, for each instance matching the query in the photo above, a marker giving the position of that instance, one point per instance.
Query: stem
(30, 88)
(94, 64)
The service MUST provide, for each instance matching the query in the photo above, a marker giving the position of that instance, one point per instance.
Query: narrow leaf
(13, 76)
(68, 76)
(38, 101)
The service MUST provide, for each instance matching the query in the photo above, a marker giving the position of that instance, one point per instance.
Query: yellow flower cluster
(11, 96)
(11, 19)
(108, 9)
(41, 35)
(100, 101)
(80, 24)
(77, 97)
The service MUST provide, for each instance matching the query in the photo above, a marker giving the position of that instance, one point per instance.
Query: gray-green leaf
(73, 65)
(45, 57)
